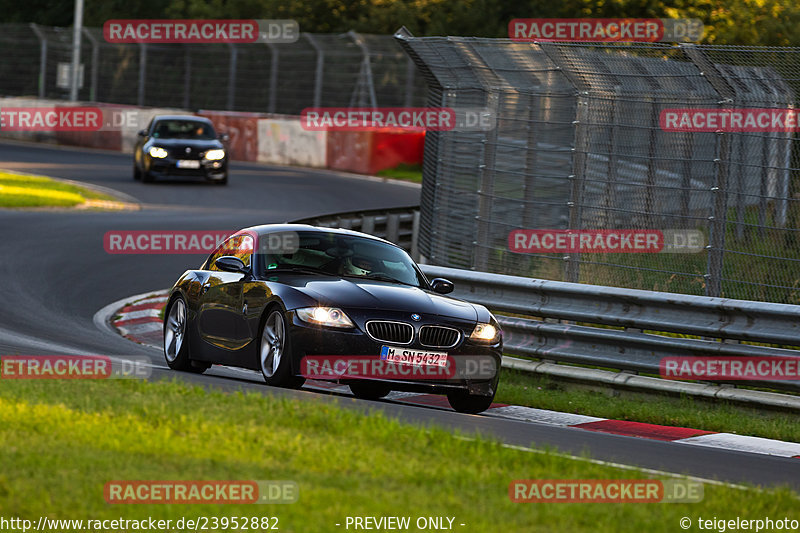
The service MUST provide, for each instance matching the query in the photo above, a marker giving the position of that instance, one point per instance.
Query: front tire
(176, 347)
(137, 174)
(145, 174)
(464, 402)
(275, 352)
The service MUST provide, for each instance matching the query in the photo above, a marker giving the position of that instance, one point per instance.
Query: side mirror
(230, 263)
(224, 137)
(442, 286)
(142, 133)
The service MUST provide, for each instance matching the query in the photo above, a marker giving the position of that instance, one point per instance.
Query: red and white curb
(140, 321)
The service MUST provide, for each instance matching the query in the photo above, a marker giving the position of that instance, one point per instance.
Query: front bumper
(312, 340)
(168, 167)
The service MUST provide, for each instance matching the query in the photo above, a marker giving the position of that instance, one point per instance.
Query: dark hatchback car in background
(271, 297)
(180, 146)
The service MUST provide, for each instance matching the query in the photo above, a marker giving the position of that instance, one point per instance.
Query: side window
(240, 246)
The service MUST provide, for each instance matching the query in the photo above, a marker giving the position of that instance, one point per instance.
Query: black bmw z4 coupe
(174, 146)
(301, 302)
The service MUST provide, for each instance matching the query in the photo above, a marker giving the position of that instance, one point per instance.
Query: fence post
(232, 76)
(610, 196)
(426, 224)
(42, 59)
(95, 59)
(142, 73)
(318, 72)
(486, 192)
(273, 77)
(74, 86)
(410, 71)
(579, 150)
(719, 213)
(573, 261)
(187, 76)
(530, 217)
(364, 72)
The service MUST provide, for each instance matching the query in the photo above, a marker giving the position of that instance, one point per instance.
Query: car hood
(198, 144)
(368, 294)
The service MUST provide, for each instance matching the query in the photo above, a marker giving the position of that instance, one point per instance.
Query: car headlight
(158, 152)
(484, 333)
(214, 155)
(325, 316)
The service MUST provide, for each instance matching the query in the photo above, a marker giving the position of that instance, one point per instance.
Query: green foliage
(736, 22)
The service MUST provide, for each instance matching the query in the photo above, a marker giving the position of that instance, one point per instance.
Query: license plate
(188, 163)
(409, 356)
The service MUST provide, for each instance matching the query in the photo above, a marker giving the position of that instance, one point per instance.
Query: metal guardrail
(620, 329)
(399, 225)
(723, 323)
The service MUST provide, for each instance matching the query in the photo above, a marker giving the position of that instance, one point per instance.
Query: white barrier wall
(285, 142)
(35, 136)
(127, 120)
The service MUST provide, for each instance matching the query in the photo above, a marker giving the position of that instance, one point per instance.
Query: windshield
(183, 129)
(345, 256)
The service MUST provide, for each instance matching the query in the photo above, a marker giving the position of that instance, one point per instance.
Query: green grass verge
(61, 442)
(24, 190)
(542, 392)
(403, 171)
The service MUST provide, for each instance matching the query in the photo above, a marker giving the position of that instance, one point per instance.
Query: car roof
(194, 118)
(265, 229)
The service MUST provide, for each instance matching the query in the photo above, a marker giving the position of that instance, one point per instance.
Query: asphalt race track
(56, 275)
